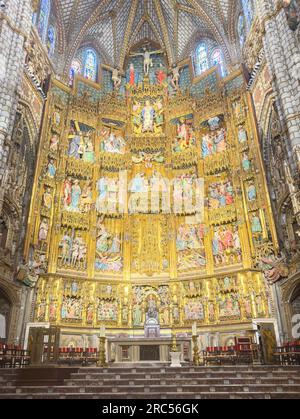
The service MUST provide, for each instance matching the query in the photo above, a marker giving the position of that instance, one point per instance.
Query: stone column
(282, 52)
(15, 24)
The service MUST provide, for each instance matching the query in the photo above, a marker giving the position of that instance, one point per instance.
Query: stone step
(171, 376)
(156, 396)
(163, 389)
(180, 381)
(231, 368)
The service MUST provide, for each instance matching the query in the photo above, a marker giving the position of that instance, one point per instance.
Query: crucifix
(147, 58)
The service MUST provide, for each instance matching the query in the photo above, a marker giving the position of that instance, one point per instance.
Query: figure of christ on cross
(147, 58)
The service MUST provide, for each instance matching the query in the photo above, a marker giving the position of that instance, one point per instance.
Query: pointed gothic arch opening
(5, 316)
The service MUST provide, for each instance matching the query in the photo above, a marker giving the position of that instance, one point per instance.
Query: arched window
(43, 19)
(51, 40)
(241, 30)
(75, 69)
(90, 65)
(201, 59)
(217, 59)
(249, 11)
(3, 234)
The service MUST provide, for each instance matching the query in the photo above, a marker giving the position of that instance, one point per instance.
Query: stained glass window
(217, 59)
(51, 40)
(43, 19)
(75, 69)
(201, 60)
(242, 30)
(90, 65)
(249, 11)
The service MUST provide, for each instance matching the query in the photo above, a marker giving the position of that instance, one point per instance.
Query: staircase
(152, 382)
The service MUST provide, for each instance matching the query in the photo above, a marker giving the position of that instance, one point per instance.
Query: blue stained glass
(43, 19)
(201, 60)
(51, 40)
(90, 65)
(217, 59)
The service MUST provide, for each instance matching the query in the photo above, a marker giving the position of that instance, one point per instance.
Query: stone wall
(15, 24)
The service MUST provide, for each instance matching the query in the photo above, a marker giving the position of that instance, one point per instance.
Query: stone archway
(291, 300)
(5, 316)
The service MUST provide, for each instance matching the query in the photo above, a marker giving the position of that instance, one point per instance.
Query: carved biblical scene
(214, 137)
(81, 142)
(108, 249)
(190, 247)
(148, 207)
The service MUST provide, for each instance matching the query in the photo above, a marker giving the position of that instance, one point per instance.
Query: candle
(102, 332)
(194, 329)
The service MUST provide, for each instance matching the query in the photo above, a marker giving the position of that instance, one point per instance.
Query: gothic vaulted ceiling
(114, 26)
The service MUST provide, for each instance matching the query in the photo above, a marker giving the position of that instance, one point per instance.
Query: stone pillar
(15, 24)
(282, 52)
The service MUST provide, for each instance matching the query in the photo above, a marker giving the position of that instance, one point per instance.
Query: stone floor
(152, 382)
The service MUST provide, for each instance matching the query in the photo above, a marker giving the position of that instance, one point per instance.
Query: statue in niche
(251, 192)
(90, 314)
(56, 118)
(43, 230)
(65, 245)
(67, 191)
(211, 311)
(41, 310)
(148, 114)
(242, 134)
(248, 308)
(238, 109)
(246, 163)
(47, 199)
(152, 311)
(51, 169)
(75, 196)
(137, 315)
(256, 226)
(52, 310)
(125, 313)
(102, 244)
(86, 199)
(176, 315)
(74, 146)
(78, 253)
(88, 152)
(54, 143)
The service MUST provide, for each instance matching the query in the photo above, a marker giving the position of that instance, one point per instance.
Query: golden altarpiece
(115, 217)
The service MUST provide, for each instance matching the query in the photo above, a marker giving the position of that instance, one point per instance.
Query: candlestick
(102, 332)
(194, 329)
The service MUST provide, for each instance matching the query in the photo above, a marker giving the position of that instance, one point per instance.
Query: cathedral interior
(149, 178)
